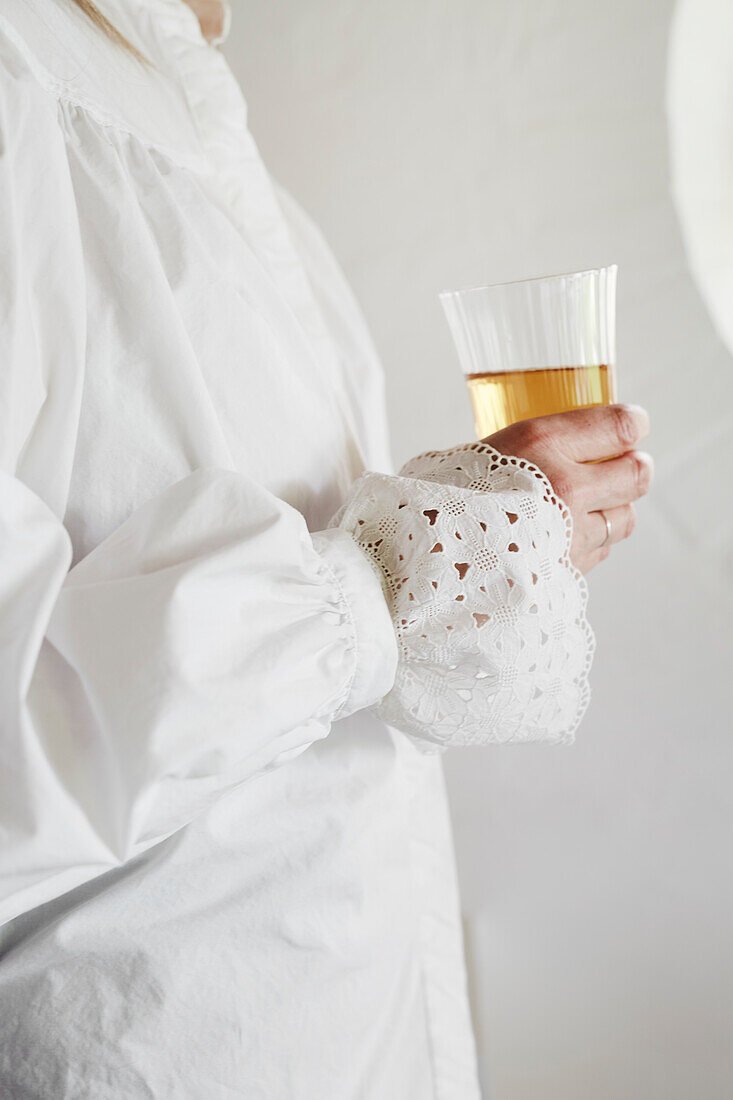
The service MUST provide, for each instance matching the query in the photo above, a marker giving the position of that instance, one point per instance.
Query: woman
(229, 660)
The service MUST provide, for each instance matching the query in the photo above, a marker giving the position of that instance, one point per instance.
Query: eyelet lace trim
(474, 549)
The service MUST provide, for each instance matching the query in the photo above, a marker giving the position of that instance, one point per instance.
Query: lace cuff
(489, 612)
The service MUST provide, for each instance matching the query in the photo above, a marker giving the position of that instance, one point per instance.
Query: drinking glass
(537, 346)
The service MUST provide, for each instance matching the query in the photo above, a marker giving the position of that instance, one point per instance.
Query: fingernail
(641, 416)
(646, 459)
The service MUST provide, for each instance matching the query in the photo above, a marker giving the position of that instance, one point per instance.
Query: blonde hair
(101, 21)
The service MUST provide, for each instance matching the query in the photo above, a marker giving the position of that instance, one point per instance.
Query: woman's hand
(564, 447)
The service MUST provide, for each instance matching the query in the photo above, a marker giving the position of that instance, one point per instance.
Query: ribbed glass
(536, 347)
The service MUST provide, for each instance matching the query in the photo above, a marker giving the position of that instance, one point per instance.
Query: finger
(621, 522)
(587, 434)
(590, 561)
(618, 481)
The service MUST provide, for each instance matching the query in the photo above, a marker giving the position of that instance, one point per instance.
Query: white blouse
(225, 651)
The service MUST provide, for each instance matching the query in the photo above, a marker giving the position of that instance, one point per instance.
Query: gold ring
(607, 522)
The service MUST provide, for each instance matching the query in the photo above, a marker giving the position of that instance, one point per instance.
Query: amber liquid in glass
(503, 397)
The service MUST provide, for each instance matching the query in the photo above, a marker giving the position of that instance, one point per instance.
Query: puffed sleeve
(202, 642)
(208, 638)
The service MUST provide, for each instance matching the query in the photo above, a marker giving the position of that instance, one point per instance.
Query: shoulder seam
(58, 91)
(47, 82)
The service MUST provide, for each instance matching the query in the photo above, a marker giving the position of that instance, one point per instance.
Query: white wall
(448, 142)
